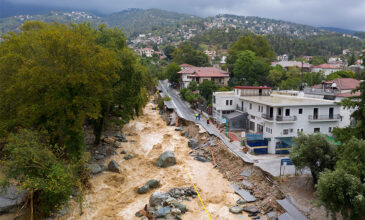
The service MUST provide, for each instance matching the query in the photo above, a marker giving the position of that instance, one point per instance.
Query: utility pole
(301, 78)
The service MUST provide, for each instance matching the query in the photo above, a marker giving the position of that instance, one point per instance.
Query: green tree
(255, 43)
(342, 192)
(315, 152)
(168, 50)
(317, 60)
(206, 89)
(357, 103)
(340, 74)
(185, 53)
(193, 85)
(30, 162)
(172, 73)
(53, 78)
(249, 70)
(276, 75)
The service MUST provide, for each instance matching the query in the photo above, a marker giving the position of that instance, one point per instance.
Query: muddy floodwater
(114, 196)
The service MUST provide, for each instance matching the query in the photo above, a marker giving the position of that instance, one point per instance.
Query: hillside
(139, 20)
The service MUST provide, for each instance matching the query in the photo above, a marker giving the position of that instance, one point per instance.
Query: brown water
(113, 196)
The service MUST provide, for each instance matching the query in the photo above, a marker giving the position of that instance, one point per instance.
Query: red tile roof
(205, 72)
(327, 66)
(252, 87)
(342, 83)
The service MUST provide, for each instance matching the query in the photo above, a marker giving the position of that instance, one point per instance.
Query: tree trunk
(31, 205)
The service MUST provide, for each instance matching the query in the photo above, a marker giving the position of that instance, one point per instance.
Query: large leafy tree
(206, 89)
(172, 73)
(315, 152)
(255, 43)
(185, 53)
(343, 190)
(249, 70)
(52, 78)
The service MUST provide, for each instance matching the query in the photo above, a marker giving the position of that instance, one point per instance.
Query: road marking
(201, 201)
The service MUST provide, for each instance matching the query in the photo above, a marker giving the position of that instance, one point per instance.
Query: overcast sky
(349, 14)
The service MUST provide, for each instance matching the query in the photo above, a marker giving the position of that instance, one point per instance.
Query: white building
(326, 68)
(277, 118)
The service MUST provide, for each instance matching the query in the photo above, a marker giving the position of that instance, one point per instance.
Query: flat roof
(228, 93)
(252, 87)
(283, 100)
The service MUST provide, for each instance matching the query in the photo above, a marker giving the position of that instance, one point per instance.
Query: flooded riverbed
(114, 196)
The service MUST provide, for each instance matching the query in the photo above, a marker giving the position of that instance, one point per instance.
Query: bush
(36, 169)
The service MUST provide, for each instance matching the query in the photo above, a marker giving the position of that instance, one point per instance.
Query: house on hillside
(148, 52)
(200, 74)
(326, 68)
(270, 120)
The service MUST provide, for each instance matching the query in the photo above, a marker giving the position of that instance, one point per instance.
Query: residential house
(326, 68)
(287, 64)
(200, 74)
(283, 57)
(148, 52)
(276, 119)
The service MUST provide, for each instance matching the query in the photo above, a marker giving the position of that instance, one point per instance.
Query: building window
(226, 102)
(286, 131)
(252, 117)
(214, 99)
(250, 106)
(302, 130)
(230, 102)
(317, 130)
(291, 130)
(330, 129)
(287, 112)
(300, 111)
(279, 111)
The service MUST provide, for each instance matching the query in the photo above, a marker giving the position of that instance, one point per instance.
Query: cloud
(347, 14)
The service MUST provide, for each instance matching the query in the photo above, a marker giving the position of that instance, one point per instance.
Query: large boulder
(157, 198)
(236, 209)
(10, 199)
(109, 140)
(143, 189)
(113, 166)
(162, 212)
(166, 159)
(251, 209)
(193, 143)
(95, 168)
(153, 183)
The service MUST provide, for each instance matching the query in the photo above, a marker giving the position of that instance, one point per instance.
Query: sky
(347, 14)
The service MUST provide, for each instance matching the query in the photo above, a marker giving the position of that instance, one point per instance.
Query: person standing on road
(196, 116)
(199, 116)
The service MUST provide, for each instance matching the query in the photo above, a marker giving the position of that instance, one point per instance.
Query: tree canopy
(185, 53)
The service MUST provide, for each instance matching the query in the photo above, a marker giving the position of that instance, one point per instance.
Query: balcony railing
(268, 117)
(240, 108)
(286, 118)
(324, 117)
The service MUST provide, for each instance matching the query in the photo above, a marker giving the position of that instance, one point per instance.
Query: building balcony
(241, 109)
(286, 119)
(267, 117)
(319, 118)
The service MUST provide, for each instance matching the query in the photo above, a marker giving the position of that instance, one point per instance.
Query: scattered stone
(123, 152)
(272, 215)
(120, 136)
(138, 214)
(109, 140)
(166, 159)
(128, 157)
(153, 183)
(246, 173)
(179, 129)
(175, 211)
(193, 143)
(124, 140)
(251, 209)
(94, 168)
(113, 166)
(201, 159)
(143, 189)
(256, 217)
(180, 206)
(162, 212)
(63, 212)
(241, 202)
(186, 134)
(118, 144)
(10, 199)
(247, 184)
(132, 141)
(236, 209)
(99, 156)
(252, 215)
(157, 198)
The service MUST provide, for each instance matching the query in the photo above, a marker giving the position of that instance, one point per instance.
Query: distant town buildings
(326, 68)
(283, 57)
(287, 64)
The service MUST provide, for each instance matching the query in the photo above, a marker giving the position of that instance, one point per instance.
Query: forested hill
(140, 21)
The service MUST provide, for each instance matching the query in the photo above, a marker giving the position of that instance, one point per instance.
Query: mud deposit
(114, 196)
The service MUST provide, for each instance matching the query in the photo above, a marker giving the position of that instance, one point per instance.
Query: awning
(286, 140)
